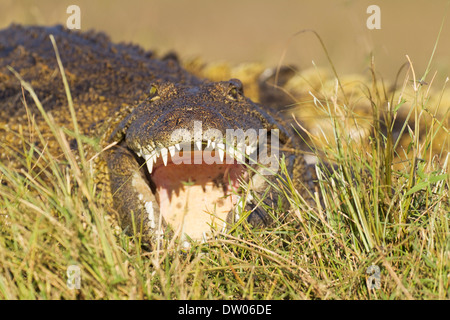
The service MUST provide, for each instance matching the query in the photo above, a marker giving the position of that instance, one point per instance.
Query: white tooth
(199, 145)
(145, 152)
(164, 155)
(149, 161)
(221, 148)
(177, 146)
(209, 143)
(213, 144)
(156, 153)
(172, 151)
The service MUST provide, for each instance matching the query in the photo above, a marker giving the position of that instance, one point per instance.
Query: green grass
(370, 210)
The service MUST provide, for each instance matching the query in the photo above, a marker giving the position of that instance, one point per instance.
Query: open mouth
(197, 186)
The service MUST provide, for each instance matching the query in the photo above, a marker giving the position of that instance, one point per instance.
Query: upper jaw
(209, 152)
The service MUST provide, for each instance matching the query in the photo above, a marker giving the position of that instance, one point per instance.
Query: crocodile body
(150, 110)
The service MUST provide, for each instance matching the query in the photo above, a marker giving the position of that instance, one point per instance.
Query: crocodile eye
(235, 89)
(153, 93)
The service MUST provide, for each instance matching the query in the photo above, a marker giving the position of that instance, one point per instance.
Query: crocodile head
(182, 154)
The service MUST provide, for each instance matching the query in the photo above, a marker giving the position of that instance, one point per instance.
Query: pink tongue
(193, 198)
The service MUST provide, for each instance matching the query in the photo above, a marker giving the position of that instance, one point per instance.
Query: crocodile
(177, 149)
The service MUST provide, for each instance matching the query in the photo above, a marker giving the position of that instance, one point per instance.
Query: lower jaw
(191, 212)
(196, 200)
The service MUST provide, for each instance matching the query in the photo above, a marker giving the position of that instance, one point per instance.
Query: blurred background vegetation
(259, 31)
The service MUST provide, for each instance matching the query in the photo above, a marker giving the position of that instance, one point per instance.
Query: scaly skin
(123, 95)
